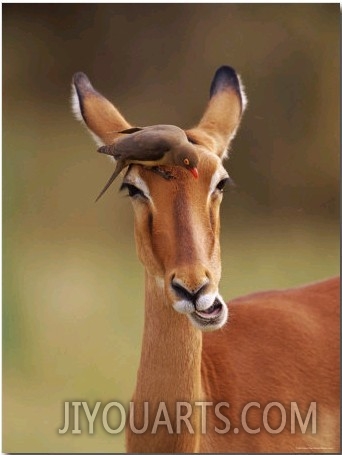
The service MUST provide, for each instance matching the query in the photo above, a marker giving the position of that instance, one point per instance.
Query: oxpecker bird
(156, 145)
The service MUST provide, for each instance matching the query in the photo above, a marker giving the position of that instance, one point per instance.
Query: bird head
(189, 160)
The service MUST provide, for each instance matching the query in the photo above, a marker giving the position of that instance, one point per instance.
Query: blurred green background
(72, 285)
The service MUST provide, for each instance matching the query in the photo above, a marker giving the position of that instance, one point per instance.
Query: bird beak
(194, 172)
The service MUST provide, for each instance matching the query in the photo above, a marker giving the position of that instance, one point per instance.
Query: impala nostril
(185, 291)
(181, 291)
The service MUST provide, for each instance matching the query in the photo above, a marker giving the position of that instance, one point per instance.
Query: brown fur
(278, 346)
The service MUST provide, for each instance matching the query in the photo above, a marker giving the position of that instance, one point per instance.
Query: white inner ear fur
(76, 110)
(244, 102)
(244, 99)
(75, 104)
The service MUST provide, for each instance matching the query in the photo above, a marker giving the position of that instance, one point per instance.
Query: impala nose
(187, 288)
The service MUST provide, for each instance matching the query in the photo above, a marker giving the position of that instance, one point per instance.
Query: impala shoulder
(257, 298)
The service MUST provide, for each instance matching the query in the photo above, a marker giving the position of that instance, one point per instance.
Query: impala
(279, 349)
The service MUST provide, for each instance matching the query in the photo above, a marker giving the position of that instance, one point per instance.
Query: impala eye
(222, 184)
(132, 190)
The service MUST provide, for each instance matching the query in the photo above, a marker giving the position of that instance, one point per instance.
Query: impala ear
(100, 116)
(224, 111)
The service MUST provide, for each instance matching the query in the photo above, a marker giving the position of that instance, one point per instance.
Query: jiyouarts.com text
(114, 416)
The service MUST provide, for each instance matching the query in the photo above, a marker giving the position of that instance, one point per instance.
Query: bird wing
(143, 145)
(134, 129)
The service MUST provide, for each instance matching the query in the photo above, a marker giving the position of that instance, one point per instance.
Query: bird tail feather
(117, 171)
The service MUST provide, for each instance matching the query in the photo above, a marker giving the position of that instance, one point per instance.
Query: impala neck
(169, 372)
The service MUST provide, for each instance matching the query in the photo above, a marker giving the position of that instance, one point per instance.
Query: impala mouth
(211, 318)
(212, 311)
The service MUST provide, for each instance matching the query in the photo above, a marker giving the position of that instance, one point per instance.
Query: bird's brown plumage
(155, 145)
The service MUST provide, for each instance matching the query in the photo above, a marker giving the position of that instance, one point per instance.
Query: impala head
(176, 216)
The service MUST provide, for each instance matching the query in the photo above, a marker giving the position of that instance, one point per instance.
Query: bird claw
(167, 175)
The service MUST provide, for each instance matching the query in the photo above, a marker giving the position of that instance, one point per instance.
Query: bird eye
(186, 161)
(132, 190)
(220, 186)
